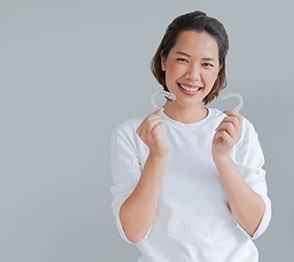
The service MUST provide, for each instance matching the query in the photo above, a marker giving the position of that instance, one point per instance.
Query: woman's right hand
(152, 135)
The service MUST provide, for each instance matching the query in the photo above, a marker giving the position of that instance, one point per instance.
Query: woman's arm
(138, 211)
(243, 180)
(246, 205)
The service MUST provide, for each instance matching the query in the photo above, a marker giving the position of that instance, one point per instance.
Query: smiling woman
(212, 52)
(188, 182)
(191, 67)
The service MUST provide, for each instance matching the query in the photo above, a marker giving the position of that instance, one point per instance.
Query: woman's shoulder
(128, 126)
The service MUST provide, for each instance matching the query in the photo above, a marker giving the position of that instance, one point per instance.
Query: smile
(190, 91)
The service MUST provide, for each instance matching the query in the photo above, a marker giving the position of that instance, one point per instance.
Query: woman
(188, 182)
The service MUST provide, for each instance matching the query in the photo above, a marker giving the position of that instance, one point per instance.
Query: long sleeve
(125, 171)
(250, 161)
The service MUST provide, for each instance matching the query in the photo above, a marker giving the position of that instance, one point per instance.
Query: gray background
(71, 71)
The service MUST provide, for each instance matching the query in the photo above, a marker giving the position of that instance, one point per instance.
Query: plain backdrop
(71, 71)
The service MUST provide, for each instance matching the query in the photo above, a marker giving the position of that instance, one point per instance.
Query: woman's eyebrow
(187, 55)
(208, 59)
(182, 53)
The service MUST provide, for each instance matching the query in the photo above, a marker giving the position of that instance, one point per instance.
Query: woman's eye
(208, 65)
(182, 59)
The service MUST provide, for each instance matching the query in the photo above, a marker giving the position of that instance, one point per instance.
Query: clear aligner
(161, 92)
(230, 95)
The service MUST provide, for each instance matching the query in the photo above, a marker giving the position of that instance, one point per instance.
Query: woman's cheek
(177, 69)
(212, 75)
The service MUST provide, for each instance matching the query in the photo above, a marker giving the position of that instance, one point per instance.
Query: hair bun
(198, 13)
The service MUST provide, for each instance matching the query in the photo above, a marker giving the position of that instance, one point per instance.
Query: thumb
(159, 110)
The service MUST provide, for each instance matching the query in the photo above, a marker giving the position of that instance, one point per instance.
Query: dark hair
(199, 22)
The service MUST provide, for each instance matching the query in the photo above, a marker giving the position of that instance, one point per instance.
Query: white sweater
(193, 221)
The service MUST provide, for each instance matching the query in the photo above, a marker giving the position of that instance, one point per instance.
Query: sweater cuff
(263, 223)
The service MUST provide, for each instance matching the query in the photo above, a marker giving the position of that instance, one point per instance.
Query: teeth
(193, 89)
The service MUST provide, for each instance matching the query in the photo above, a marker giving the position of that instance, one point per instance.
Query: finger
(155, 128)
(138, 130)
(232, 124)
(236, 114)
(151, 117)
(236, 122)
(155, 114)
(231, 130)
(158, 111)
(227, 139)
(152, 123)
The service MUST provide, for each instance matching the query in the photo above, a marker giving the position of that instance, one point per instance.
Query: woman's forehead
(190, 44)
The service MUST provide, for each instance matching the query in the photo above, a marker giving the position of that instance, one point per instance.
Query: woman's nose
(193, 74)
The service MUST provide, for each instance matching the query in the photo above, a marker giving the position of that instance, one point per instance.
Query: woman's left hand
(227, 134)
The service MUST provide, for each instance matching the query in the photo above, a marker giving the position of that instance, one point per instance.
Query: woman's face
(194, 63)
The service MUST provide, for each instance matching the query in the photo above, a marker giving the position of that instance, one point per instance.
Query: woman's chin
(188, 102)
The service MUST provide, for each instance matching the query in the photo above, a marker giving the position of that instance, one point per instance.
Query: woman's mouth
(190, 91)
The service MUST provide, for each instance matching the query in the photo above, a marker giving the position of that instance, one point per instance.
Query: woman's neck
(185, 114)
